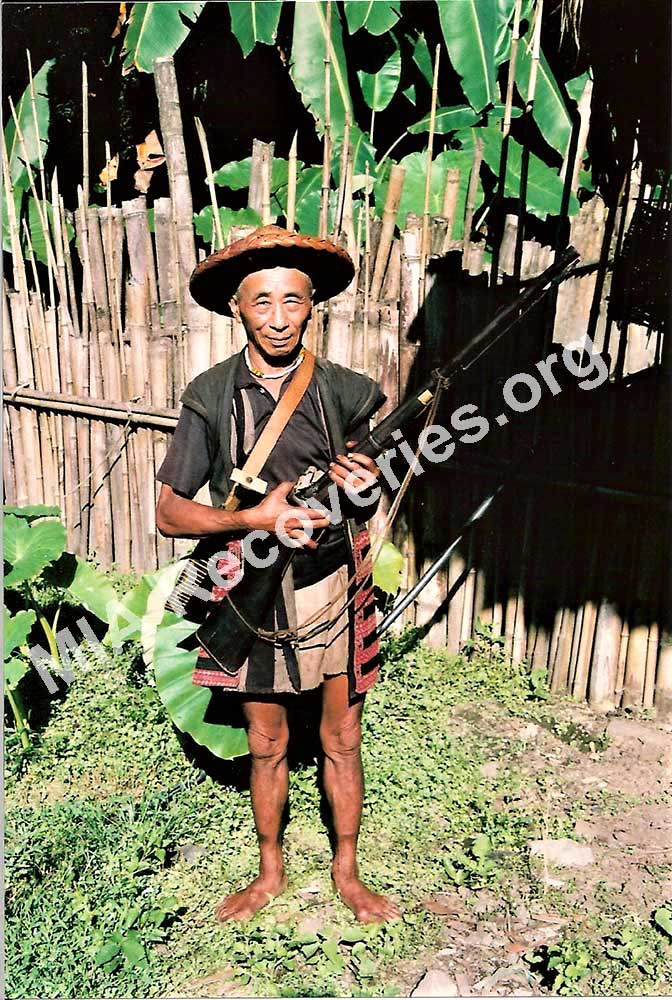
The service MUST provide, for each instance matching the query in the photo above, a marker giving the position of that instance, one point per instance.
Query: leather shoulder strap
(275, 426)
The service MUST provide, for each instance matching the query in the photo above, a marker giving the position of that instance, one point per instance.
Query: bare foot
(368, 907)
(246, 902)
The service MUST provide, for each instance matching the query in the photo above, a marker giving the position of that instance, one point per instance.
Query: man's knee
(341, 739)
(268, 744)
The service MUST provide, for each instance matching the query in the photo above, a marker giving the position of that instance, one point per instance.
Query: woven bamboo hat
(214, 281)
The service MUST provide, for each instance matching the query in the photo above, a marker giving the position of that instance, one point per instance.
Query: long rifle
(231, 628)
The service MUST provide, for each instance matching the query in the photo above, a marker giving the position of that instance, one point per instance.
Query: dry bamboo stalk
(40, 160)
(388, 357)
(604, 665)
(651, 661)
(266, 169)
(137, 304)
(112, 235)
(622, 655)
(197, 348)
(636, 659)
(10, 465)
(424, 242)
(584, 113)
(392, 200)
(339, 329)
(141, 257)
(254, 193)
(346, 154)
(410, 284)
(30, 435)
(367, 273)
(166, 368)
(450, 196)
(217, 222)
(136, 414)
(39, 207)
(470, 203)
(508, 104)
(663, 692)
(326, 152)
(110, 268)
(45, 421)
(587, 635)
(13, 415)
(109, 357)
(85, 135)
(392, 284)
(18, 263)
(291, 183)
(70, 281)
(457, 565)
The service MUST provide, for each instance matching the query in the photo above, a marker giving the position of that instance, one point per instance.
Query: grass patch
(119, 846)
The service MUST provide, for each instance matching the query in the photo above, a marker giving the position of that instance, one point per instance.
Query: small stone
(490, 769)
(436, 983)
(190, 851)
(529, 732)
(565, 853)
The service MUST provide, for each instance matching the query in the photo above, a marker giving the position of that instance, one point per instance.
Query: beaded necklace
(267, 375)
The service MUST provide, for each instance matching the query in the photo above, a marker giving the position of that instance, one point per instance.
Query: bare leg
(340, 733)
(267, 735)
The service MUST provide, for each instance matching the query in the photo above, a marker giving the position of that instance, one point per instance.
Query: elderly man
(270, 281)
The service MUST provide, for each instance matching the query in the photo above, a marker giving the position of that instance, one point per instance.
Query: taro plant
(40, 574)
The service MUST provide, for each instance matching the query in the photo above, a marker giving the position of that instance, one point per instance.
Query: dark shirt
(302, 447)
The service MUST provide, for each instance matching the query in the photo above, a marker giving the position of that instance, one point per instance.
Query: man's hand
(361, 470)
(265, 517)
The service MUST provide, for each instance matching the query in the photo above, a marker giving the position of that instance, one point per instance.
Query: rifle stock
(229, 631)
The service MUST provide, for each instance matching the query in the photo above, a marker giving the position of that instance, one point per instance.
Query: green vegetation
(119, 845)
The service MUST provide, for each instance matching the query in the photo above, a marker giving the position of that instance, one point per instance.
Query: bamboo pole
(217, 222)
(449, 208)
(506, 129)
(346, 153)
(291, 183)
(85, 136)
(470, 202)
(410, 286)
(40, 160)
(14, 415)
(424, 241)
(367, 274)
(266, 171)
(390, 209)
(25, 375)
(195, 318)
(525, 158)
(326, 152)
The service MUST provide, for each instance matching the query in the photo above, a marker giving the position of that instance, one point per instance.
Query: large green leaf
(379, 88)
(16, 629)
(447, 120)
(253, 21)
(377, 16)
(422, 58)
(413, 194)
(126, 613)
(15, 669)
(28, 548)
(17, 198)
(309, 49)
(308, 188)
(388, 567)
(189, 705)
(544, 184)
(576, 86)
(470, 32)
(156, 30)
(33, 138)
(228, 217)
(93, 590)
(36, 234)
(236, 174)
(505, 11)
(549, 111)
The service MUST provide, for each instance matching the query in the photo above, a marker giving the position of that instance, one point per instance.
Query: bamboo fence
(94, 371)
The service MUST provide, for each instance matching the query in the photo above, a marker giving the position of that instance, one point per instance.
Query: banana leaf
(29, 547)
(33, 140)
(550, 110)
(505, 10)
(379, 88)
(156, 30)
(422, 58)
(447, 120)
(413, 193)
(309, 48)
(253, 21)
(470, 33)
(409, 93)
(228, 217)
(576, 86)
(236, 174)
(189, 706)
(544, 184)
(36, 235)
(377, 16)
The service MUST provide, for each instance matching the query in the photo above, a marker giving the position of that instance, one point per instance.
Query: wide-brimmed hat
(215, 280)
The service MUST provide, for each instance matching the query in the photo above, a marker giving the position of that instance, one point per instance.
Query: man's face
(274, 307)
